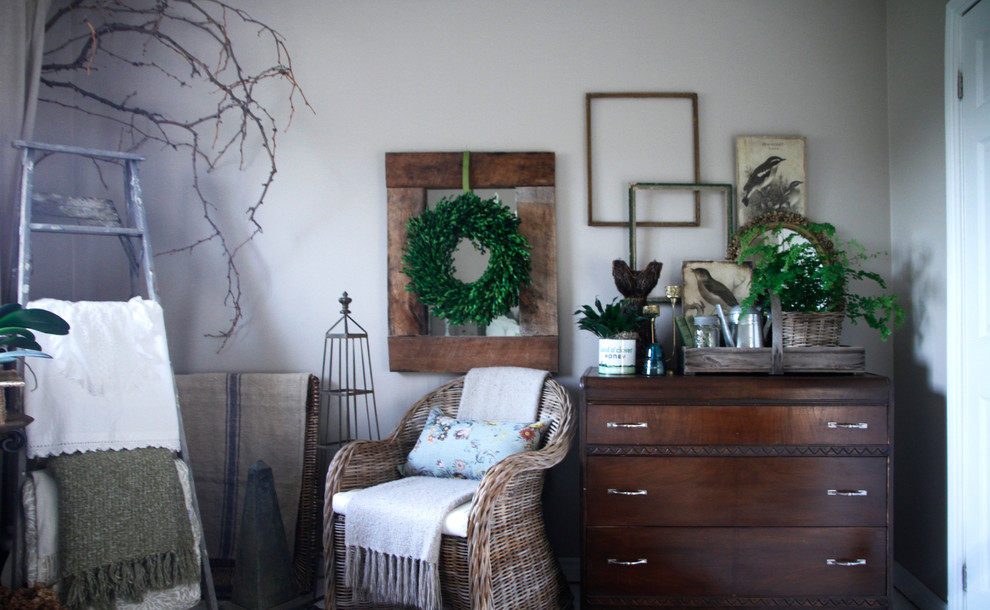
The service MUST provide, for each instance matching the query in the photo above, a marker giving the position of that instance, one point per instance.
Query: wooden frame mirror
(408, 177)
(795, 223)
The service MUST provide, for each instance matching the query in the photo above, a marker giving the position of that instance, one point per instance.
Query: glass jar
(707, 332)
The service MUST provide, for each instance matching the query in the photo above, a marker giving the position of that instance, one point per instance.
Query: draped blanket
(109, 383)
(392, 535)
(123, 526)
(502, 393)
(232, 421)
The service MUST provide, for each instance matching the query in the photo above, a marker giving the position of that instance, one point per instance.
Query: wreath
(428, 259)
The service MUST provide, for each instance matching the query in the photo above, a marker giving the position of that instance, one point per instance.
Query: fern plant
(611, 320)
(810, 279)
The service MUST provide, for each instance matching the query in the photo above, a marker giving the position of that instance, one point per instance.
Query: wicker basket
(815, 329)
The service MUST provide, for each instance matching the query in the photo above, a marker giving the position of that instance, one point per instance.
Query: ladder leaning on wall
(68, 215)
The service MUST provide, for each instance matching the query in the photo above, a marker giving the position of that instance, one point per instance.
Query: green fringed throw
(123, 526)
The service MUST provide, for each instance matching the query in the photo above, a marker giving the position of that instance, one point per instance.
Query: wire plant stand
(347, 386)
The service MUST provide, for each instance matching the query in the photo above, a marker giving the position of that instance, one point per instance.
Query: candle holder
(653, 360)
(673, 293)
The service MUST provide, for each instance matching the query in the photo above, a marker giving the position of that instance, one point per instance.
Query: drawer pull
(847, 492)
(637, 562)
(845, 562)
(857, 426)
(616, 492)
(613, 424)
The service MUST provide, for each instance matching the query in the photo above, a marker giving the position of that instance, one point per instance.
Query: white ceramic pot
(617, 356)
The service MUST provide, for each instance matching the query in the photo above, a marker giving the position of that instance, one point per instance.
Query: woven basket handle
(776, 336)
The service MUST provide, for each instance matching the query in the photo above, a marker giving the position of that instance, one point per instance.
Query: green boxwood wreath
(428, 259)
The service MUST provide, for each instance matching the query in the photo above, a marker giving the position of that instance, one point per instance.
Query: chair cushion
(465, 448)
(455, 524)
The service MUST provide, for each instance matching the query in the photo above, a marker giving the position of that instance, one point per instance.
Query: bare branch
(161, 38)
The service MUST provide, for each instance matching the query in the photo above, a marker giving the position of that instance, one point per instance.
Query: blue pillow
(466, 449)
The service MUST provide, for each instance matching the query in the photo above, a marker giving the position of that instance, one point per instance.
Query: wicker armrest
(364, 463)
(507, 509)
(509, 477)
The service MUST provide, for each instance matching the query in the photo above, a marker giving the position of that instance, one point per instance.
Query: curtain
(22, 33)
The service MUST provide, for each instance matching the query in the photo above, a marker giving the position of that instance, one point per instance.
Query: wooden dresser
(736, 491)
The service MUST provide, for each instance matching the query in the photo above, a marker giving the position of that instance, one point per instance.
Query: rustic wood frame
(726, 189)
(591, 97)
(407, 178)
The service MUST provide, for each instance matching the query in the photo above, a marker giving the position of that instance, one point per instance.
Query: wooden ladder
(53, 213)
(61, 214)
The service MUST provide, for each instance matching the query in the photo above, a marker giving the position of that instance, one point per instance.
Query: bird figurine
(760, 177)
(634, 284)
(713, 291)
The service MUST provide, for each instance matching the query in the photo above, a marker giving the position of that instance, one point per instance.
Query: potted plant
(16, 338)
(816, 278)
(615, 326)
(17, 341)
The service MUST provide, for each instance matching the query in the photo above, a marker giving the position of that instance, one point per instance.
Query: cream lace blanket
(392, 535)
(501, 393)
(109, 383)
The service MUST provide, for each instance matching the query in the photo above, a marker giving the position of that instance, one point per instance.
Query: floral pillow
(466, 449)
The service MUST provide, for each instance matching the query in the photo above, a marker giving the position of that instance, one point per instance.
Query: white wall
(431, 75)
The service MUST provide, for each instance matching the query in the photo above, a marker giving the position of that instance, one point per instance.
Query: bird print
(760, 177)
(712, 290)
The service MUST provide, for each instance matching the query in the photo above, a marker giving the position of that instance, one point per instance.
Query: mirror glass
(469, 265)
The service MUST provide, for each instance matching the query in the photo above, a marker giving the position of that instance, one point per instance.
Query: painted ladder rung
(55, 209)
(85, 230)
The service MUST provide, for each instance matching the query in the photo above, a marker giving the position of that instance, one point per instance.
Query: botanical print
(770, 176)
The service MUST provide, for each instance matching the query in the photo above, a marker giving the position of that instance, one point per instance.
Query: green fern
(607, 321)
(809, 279)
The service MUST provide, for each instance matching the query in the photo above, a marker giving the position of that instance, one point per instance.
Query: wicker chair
(505, 562)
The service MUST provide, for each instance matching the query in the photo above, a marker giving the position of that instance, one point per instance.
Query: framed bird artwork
(770, 176)
(709, 283)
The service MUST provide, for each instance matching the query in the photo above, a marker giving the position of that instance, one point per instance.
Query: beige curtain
(22, 33)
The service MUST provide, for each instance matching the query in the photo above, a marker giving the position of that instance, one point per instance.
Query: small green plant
(16, 340)
(610, 320)
(810, 278)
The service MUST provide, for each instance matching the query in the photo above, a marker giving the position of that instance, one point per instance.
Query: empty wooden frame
(625, 123)
(408, 176)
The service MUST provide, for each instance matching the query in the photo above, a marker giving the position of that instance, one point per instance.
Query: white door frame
(957, 413)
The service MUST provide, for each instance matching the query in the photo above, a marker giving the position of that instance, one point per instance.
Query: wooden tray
(775, 360)
(842, 359)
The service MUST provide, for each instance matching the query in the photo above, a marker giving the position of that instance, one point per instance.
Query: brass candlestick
(673, 293)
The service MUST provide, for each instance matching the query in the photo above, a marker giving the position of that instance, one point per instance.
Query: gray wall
(916, 59)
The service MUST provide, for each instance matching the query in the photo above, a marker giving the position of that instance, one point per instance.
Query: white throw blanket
(392, 535)
(501, 393)
(109, 383)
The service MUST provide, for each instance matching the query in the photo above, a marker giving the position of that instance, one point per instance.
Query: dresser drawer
(690, 561)
(731, 491)
(735, 425)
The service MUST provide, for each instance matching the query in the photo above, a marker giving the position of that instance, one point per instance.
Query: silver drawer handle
(858, 426)
(616, 492)
(845, 562)
(613, 424)
(616, 562)
(847, 492)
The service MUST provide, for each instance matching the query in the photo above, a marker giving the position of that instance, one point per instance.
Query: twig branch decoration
(168, 40)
